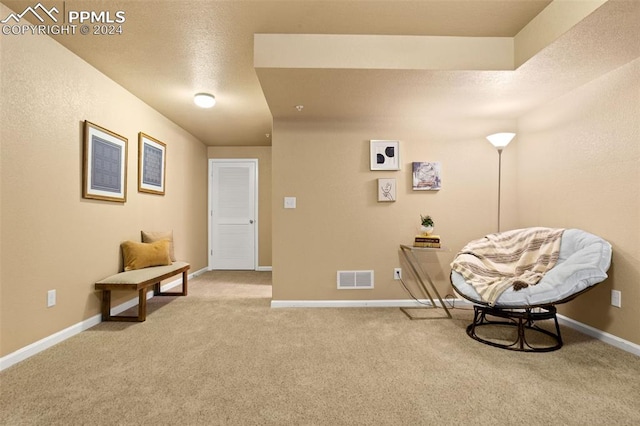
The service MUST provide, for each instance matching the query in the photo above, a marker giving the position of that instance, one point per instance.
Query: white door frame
(212, 161)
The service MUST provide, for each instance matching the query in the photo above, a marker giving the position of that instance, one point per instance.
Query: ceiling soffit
(347, 77)
(329, 51)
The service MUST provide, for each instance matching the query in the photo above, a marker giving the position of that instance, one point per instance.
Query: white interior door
(233, 213)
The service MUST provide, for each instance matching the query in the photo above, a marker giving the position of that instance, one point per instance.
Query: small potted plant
(427, 224)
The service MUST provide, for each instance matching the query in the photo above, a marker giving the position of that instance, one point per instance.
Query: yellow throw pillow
(153, 236)
(142, 255)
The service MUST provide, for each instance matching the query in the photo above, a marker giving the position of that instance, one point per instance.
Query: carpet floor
(222, 356)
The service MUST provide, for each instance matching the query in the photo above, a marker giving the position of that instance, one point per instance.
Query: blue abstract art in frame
(152, 158)
(104, 164)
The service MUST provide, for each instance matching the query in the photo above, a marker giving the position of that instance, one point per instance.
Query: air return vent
(355, 279)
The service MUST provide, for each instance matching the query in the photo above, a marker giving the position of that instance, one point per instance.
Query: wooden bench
(140, 280)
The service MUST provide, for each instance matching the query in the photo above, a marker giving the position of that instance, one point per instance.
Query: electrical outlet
(397, 273)
(51, 298)
(616, 298)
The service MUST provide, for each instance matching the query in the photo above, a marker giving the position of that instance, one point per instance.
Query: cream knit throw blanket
(517, 258)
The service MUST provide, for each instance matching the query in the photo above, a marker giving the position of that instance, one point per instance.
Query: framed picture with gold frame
(104, 168)
(152, 160)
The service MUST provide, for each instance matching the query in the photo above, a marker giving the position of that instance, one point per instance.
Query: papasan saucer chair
(566, 267)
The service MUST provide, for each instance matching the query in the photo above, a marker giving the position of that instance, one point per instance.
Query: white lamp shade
(500, 140)
(204, 100)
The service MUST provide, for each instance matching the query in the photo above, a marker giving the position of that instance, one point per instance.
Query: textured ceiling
(169, 50)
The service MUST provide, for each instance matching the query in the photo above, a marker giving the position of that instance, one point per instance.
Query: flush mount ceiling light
(204, 100)
(299, 107)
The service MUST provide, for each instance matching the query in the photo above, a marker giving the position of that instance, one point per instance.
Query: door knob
(250, 220)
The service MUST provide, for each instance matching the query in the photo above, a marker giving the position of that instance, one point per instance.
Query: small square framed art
(386, 190)
(427, 176)
(385, 155)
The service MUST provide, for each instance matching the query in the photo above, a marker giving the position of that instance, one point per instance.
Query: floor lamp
(500, 141)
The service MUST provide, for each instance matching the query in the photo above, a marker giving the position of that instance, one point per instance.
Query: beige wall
(52, 238)
(263, 155)
(579, 167)
(339, 224)
(574, 163)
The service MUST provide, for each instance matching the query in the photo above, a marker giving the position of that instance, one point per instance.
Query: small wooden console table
(409, 254)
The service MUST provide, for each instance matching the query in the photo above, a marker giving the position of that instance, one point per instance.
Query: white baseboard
(258, 269)
(39, 346)
(392, 303)
(194, 274)
(603, 336)
(49, 341)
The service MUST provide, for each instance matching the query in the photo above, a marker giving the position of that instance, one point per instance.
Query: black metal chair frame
(523, 318)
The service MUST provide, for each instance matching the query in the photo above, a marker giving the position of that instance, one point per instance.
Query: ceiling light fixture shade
(204, 100)
(500, 140)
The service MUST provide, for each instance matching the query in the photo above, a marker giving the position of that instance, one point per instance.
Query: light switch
(51, 298)
(289, 202)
